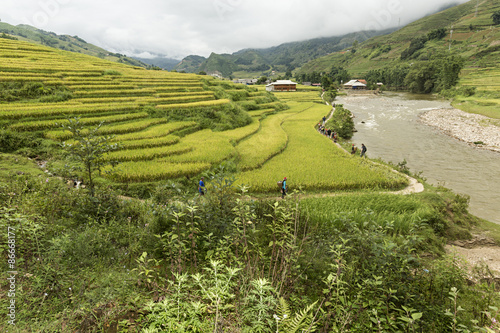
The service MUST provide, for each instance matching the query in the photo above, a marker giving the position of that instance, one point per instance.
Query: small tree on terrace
(496, 17)
(88, 150)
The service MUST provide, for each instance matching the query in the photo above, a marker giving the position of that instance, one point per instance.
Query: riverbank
(477, 130)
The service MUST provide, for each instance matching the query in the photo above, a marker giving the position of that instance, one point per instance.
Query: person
(324, 119)
(283, 188)
(201, 186)
(363, 150)
(353, 149)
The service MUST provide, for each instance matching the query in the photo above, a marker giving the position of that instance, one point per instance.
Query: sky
(177, 28)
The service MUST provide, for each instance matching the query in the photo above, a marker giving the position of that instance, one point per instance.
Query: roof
(350, 83)
(358, 84)
(282, 82)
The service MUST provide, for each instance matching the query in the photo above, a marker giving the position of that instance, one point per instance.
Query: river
(389, 126)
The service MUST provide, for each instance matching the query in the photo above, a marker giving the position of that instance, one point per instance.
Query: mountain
(420, 56)
(474, 37)
(287, 56)
(162, 62)
(64, 42)
(190, 64)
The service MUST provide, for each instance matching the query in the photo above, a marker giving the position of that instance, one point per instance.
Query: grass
(12, 166)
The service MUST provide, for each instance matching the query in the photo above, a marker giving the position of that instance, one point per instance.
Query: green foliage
(436, 34)
(11, 141)
(219, 118)
(415, 45)
(112, 72)
(341, 122)
(426, 77)
(259, 303)
(347, 263)
(16, 91)
(496, 17)
(89, 150)
(4, 35)
(301, 321)
(329, 96)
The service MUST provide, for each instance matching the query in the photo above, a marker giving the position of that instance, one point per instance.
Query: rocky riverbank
(476, 130)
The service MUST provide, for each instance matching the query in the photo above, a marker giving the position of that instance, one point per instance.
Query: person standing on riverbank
(363, 150)
(354, 149)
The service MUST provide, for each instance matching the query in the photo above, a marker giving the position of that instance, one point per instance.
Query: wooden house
(282, 85)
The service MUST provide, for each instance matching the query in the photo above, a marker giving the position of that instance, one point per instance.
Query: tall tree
(88, 150)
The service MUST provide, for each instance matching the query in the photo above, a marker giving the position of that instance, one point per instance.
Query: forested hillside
(458, 45)
(285, 57)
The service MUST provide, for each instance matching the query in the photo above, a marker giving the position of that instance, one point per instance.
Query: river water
(389, 126)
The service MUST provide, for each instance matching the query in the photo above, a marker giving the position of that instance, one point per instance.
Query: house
(282, 85)
(355, 84)
(248, 82)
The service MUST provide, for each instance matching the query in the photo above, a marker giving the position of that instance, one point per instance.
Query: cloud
(177, 28)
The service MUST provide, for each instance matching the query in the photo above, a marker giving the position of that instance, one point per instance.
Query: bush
(341, 122)
(16, 91)
(11, 141)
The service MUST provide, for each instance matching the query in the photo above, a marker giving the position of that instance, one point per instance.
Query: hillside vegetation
(248, 63)
(456, 33)
(158, 126)
(89, 259)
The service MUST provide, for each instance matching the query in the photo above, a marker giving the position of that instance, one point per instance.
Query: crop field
(486, 99)
(312, 162)
(133, 105)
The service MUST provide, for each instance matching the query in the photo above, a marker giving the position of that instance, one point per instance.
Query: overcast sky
(177, 28)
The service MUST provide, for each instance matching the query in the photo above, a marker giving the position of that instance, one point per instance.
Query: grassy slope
(478, 46)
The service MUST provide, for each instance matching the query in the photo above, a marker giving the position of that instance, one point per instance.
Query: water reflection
(389, 126)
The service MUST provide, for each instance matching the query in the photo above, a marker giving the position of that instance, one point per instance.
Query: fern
(301, 321)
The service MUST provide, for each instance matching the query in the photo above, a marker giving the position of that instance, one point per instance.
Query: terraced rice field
(486, 100)
(133, 105)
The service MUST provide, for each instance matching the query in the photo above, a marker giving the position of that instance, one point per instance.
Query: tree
(341, 122)
(496, 17)
(89, 149)
(262, 80)
(329, 96)
(326, 82)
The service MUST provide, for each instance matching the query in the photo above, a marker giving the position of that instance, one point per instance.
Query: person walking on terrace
(201, 186)
(283, 188)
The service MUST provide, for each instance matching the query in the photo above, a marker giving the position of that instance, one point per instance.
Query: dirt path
(480, 249)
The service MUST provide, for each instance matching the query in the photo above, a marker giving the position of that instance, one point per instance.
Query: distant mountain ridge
(468, 33)
(281, 58)
(162, 62)
(65, 42)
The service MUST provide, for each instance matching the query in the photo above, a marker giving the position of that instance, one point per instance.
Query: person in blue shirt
(201, 186)
(283, 188)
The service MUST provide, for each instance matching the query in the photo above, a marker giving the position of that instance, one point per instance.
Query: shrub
(341, 122)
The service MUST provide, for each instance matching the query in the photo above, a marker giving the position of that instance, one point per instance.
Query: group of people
(327, 132)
